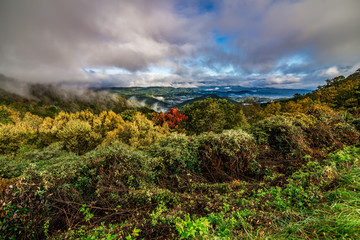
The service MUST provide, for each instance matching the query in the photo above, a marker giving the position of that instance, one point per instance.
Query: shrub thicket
(281, 134)
(78, 136)
(178, 153)
(317, 129)
(228, 155)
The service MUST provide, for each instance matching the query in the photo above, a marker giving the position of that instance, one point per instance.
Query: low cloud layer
(284, 43)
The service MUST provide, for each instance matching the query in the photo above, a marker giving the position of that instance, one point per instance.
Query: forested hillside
(99, 169)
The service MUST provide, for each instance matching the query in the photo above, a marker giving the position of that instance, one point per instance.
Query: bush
(230, 154)
(317, 131)
(281, 134)
(46, 162)
(51, 182)
(324, 113)
(78, 136)
(178, 151)
(330, 128)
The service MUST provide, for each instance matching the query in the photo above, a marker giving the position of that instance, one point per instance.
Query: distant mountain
(238, 92)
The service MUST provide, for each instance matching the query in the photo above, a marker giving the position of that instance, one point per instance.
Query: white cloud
(332, 72)
(282, 79)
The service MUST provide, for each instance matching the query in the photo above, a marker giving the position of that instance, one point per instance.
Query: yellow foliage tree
(110, 121)
(7, 115)
(78, 136)
(293, 107)
(272, 109)
(140, 133)
(12, 136)
(32, 121)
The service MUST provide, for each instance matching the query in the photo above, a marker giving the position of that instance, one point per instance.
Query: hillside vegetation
(216, 170)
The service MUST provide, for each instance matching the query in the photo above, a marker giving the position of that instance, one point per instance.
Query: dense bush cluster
(228, 155)
(317, 129)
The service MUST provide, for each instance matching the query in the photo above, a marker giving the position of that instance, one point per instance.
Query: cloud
(52, 41)
(266, 31)
(282, 79)
(332, 72)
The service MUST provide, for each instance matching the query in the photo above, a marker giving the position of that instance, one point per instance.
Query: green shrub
(324, 113)
(118, 165)
(281, 134)
(196, 228)
(325, 128)
(47, 162)
(231, 153)
(178, 151)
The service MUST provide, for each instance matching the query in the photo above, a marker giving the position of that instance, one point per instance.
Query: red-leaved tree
(174, 119)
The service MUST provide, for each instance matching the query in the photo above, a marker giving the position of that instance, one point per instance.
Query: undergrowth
(118, 192)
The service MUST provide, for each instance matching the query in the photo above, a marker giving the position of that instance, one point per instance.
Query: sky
(180, 43)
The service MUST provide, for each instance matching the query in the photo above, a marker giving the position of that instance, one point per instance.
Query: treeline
(79, 132)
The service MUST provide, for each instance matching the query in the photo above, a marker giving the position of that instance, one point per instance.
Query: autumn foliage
(174, 119)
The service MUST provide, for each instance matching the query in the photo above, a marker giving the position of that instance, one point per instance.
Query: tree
(174, 119)
(140, 132)
(212, 115)
(272, 109)
(252, 111)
